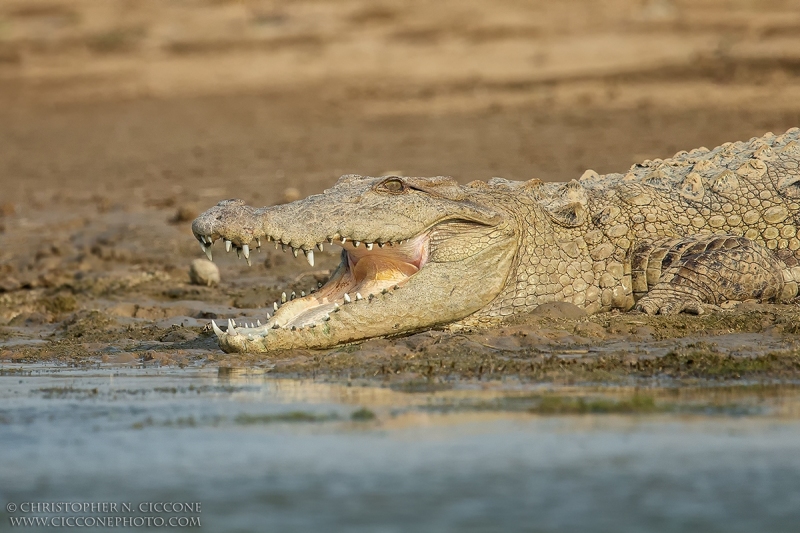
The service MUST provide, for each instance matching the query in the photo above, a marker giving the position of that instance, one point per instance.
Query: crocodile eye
(393, 185)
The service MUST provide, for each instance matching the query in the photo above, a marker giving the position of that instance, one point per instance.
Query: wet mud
(558, 343)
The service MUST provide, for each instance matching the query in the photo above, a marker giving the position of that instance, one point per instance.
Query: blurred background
(188, 101)
(121, 120)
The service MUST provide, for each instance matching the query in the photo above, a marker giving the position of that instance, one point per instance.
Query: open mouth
(365, 271)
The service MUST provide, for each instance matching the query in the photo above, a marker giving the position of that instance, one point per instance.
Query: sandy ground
(119, 122)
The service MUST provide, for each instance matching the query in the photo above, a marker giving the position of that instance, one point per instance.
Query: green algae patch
(556, 404)
(243, 419)
(561, 405)
(362, 415)
(63, 392)
(292, 416)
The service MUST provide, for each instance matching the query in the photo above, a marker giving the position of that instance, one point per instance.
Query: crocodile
(687, 234)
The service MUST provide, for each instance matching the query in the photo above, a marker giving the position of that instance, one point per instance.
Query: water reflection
(266, 454)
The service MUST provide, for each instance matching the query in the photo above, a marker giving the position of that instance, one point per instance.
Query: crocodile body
(683, 234)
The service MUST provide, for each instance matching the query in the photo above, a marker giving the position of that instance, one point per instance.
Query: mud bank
(556, 344)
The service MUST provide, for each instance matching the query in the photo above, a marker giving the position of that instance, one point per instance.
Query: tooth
(369, 246)
(347, 298)
(330, 240)
(258, 242)
(206, 250)
(283, 297)
(302, 294)
(250, 337)
(275, 306)
(319, 247)
(231, 328)
(251, 326)
(356, 243)
(358, 296)
(276, 245)
(258, 322)
(283, 247)
(268, 317)
(344, 240)
(295, 251)
(228, 245)
(246, 250)
(326, 318)
(310, 257)
(218, 331)
(319, 284)
(234, 322)
(335, 306)
(293, 296)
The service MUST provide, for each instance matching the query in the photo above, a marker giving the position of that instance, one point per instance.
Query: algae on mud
(751, 342)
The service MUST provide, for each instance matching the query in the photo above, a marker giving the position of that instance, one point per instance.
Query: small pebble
(204, 272)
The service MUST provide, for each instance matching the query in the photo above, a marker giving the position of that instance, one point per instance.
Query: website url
(104, 521)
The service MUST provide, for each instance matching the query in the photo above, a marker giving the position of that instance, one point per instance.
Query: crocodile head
(417, 253)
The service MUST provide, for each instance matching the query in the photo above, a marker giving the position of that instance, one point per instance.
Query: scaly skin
(683, 234)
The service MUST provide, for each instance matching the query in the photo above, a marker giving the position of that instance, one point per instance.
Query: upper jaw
(242, 228)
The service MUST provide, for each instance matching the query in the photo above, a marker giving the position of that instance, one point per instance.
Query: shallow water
(264, 454)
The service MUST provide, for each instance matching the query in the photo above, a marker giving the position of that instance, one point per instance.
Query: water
(262, 454)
